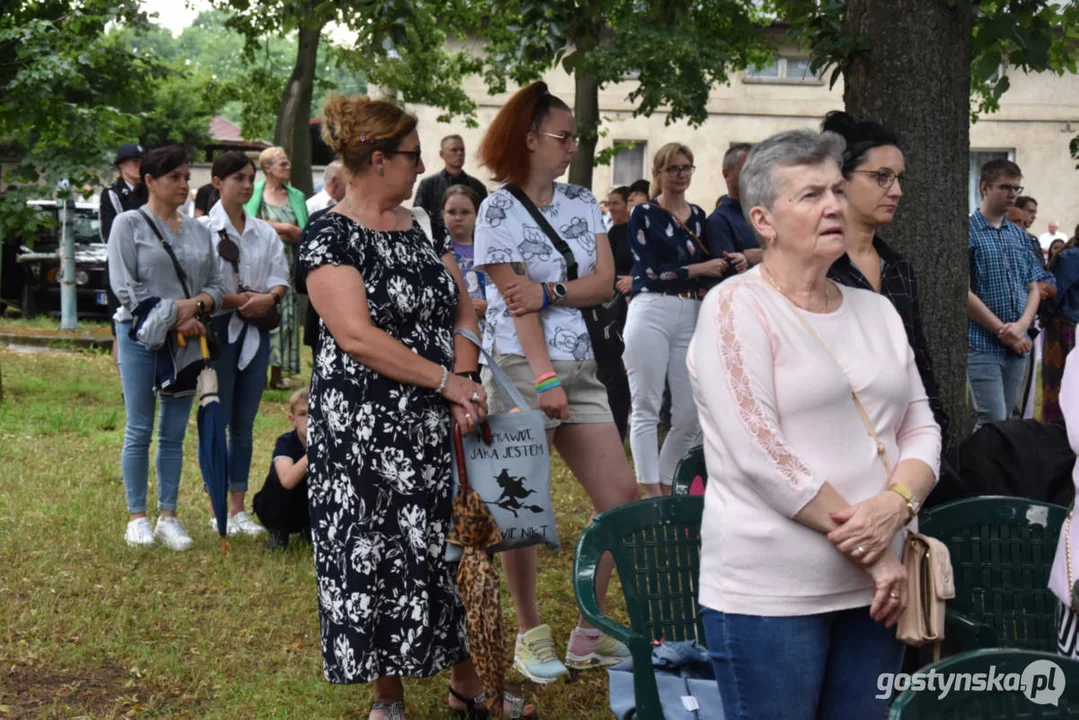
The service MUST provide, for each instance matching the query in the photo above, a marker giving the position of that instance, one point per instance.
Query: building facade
(1038, 117)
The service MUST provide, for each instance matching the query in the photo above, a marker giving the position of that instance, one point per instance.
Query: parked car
(35, 286)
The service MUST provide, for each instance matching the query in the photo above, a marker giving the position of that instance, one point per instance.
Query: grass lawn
(92, 628)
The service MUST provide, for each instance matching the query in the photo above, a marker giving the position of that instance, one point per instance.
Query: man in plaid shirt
(1006, 286)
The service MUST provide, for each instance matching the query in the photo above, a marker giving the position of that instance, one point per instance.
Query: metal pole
(69, 319)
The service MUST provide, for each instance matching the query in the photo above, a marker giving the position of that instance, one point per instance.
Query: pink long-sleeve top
(778, 422)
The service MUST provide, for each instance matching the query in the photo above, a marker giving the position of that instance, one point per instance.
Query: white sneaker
(239, 524)
(244, 524)
(139, 533)
(172, 534)
(230, 527)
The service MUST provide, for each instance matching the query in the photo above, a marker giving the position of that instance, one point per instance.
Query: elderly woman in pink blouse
(820, 445)
(1062, 578)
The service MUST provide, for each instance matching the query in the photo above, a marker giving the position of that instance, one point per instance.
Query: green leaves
(64, 79)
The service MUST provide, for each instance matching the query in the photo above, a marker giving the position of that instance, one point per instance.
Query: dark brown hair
(356, 127)
(504, 149)
(461, 190)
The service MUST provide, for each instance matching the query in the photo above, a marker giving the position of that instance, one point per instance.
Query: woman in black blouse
(613, 376)
(618, 235)
(873, 166)
(671, 265)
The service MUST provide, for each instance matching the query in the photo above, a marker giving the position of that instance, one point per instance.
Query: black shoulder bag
(211, 337)
(230, 251)
(602, 321)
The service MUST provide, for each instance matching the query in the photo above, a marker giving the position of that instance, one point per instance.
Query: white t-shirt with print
(505, 233)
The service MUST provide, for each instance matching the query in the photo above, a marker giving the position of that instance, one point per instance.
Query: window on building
(628, 165)
(784, 69)
(977, 159)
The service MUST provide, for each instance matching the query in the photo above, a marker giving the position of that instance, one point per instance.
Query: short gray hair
(730, 158)
(757, 184)
(332, 170)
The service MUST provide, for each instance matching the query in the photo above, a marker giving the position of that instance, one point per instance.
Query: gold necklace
(772, 280)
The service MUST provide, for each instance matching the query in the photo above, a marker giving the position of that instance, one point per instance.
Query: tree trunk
(586, 112)
(294, 114)
(915, 78)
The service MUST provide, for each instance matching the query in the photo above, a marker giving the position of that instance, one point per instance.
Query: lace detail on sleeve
(750, 412)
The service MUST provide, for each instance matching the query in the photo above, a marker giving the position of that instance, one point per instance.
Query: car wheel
(29, 302)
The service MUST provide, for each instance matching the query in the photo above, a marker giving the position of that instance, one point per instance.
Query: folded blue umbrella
(684, 678)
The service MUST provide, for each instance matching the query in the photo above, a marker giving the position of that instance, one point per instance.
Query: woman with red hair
(537, 334)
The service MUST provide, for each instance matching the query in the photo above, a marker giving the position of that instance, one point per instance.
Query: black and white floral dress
(379, 473)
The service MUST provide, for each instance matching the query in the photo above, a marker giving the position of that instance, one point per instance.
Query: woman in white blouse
(801, 579)
(253, 266)
(537, 333)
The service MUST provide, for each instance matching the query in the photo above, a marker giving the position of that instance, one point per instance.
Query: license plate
(102, 298)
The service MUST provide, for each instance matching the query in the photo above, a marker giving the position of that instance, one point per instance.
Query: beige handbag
(928, 563)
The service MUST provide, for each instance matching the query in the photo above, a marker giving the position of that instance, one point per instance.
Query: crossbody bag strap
(684, 227)
(168, 249)
(559, 244)
(882, 451)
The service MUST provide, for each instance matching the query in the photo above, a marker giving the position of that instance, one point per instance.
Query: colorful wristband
(545, 376)
(548, 385)
(546, 297)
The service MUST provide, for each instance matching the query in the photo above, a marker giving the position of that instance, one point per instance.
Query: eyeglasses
(565, 138)
(677, 170)
(1017, 189)
(886, 177)
(414, 153)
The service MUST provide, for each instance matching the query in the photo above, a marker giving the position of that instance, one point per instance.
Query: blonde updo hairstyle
(270, 155)
(659, 162)
(356, 127)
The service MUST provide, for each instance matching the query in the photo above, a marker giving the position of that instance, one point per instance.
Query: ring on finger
(893, 595)
(858, 551)
(468, 416)
(475, 396)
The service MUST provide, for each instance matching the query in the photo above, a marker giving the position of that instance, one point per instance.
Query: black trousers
(614, 379)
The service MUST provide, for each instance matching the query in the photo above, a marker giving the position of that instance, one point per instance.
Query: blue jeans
(807, 667)
(240, 392)
(137, 380)
(994, 385)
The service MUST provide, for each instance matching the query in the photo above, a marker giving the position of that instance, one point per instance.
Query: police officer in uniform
(121, 196)
(117, 198)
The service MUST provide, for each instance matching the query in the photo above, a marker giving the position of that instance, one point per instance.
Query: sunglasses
(414, 153)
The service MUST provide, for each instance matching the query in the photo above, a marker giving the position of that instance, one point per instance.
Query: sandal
(474, 710)
(391, 710)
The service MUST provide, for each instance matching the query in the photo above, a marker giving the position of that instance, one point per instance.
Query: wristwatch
(559, 291)
(200, 305)
(276, 297)
(913, 503)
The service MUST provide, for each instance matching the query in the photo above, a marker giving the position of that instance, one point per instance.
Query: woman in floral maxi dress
(382, 401)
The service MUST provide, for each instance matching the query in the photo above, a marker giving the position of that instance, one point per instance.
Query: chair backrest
(689, 468)
(1002, 551)
(656, 548)
(972, 692)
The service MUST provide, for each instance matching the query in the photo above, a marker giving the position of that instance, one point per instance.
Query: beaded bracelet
(548, 384)
(445, 377)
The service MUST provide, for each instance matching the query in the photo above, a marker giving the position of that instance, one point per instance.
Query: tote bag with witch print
(510, 468)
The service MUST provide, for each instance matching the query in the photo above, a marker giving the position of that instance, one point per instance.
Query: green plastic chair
(1002, 551)
(688, 468)
(656, 548)
(961, 702)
